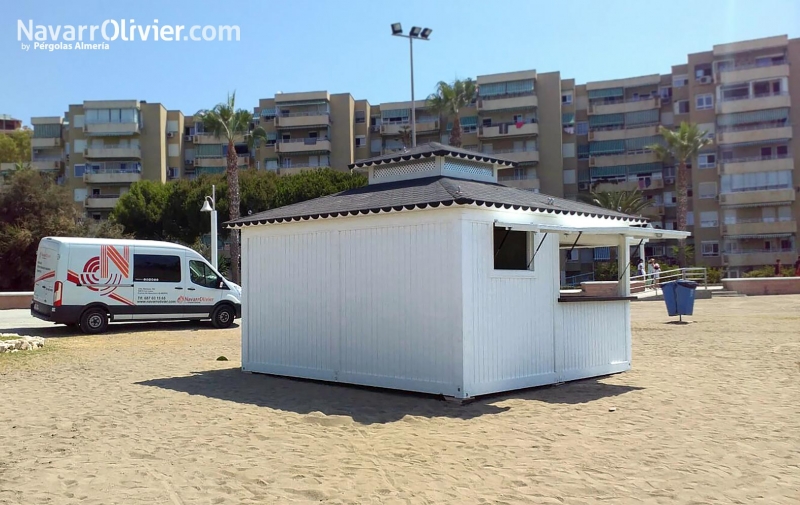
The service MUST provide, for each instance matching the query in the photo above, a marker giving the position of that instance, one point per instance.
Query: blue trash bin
(684, 295)
(670, 297)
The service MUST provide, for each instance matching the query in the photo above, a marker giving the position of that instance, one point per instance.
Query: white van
(90, 282)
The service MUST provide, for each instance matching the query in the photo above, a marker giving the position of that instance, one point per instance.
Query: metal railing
(574, 281)
(733, 68)
(772, 187)
(756, 158)
(754, 95)
(654, 280)
(309, 140)
(759, 251)
(523, 150)
(304, 114)
(614, 101)
(507, 95)
(757, 126)
(758, 220)
(517, 177)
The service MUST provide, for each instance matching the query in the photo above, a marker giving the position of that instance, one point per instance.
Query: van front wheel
(94, 321)
(223, 316)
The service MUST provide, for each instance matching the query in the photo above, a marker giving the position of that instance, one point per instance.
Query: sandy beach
(710, 413)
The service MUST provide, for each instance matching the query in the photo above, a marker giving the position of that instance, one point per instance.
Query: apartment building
(109, 145)
(569, 138)
(9, 124)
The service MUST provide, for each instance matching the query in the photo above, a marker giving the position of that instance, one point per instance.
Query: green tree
(33, 206)
(15, 146)
(681, 146)
(405, 136)
(313, 184)
(627, 202)
(230, 124)
(447, 102)
(141, 210)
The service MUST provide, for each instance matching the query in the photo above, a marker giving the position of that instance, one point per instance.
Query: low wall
(608, 288)
(18, 300)
(755, 286)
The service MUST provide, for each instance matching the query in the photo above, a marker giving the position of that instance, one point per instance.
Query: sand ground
(710, 413)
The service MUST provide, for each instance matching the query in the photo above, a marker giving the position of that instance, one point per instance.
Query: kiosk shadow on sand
(367, 405)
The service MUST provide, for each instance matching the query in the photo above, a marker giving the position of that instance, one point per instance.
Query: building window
(79, 170)
(361, 141)
(704, 101)
(156, 268)
(708, 190)
(566, 98)
(568, 150)
(682, 107)
(679, 81)
(602, 253)
(512, 249)
(690, 218)
(706, 160)
(709, 219)
(710, 249)
(582, 128)
(665, 93)
(361, 116)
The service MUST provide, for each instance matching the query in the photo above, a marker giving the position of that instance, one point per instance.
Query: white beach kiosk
(433, 278)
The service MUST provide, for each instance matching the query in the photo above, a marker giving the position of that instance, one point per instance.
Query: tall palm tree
(448, 101)
(627, 202)
(230, 124)
(681, 145)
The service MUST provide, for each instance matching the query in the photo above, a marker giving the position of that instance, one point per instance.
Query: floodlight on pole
(210, 205)
(419, 34)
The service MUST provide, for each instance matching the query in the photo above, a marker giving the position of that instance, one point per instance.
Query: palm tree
(448, 101)
(627, 202)
(405, 136)
(230, 124)
(681, 146)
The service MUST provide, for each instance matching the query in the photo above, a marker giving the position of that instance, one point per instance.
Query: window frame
(566, 98)
(707, 99)
(712, 253)
(530, 242)
(363, 139)
(206, 269)
(704, 165)
(139, 256)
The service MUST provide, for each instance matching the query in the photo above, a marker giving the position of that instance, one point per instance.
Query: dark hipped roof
(421, 193)
(431, 149)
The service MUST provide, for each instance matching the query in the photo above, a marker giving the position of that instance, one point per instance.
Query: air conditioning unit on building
(37, 151)
(722, 198)
(669, 180)
(190, 162)
(706, 79)
(591, 135)
(187, 138)
(592, 161)
(170, 135)
(583, 186)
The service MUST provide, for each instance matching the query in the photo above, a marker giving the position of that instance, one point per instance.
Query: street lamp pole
(210, 205)
(420, 34)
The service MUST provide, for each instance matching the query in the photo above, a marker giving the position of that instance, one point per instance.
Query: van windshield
(202, 274)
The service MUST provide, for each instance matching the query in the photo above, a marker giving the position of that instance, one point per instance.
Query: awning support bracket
(575, 243)
(629, 263)
(537, 249)
(508, 230)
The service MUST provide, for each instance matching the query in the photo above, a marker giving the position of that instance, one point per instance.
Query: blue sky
(346, 46)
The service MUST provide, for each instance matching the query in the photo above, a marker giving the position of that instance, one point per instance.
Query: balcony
(296, 168)
(38, 143)
(508, 130)
(620, 106)
(303, 120)
(45, 164)
(755, 102)
(112, 176)
(99, 129)
(101, 202)
(306, 145)
(516, 101)
(598, 135)
(622, 159)
(758, 257)
(756, 164)
(635, 185)
(759, 227)
(425, 126)
(208, 138)
(520, 181)
(749, 73)
(220, 161)
(754, 133)
(758, 195)
(518, 155)
(113, 152)
(655, 211)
